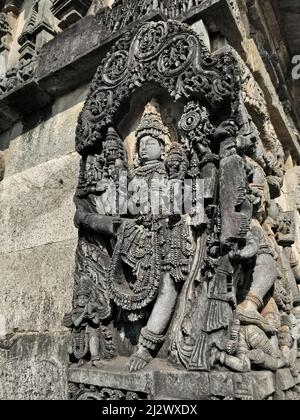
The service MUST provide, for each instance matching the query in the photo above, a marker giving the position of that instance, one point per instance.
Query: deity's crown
(176, 151)
(112, 135)
(83, 292)
(84, 289)
(152, 125)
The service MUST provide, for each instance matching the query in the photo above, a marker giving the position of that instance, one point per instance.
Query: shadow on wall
(2, 166)
(30, 122)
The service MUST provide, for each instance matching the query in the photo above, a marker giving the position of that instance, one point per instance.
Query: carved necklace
(149, 168)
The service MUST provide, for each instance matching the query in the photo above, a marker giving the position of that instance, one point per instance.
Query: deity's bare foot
(97, 364)
(253, 317)
(140, 359)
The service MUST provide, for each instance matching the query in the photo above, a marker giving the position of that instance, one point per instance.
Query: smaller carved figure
(249, 345)
(85, 321)
(261, 251)
(287, 341)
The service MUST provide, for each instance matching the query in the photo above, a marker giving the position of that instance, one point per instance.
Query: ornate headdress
(113, 146)
(112, 135)
(177, 153)
(152, 124)
(84, 287)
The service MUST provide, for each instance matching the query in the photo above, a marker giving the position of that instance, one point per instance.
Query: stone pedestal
(162, 381)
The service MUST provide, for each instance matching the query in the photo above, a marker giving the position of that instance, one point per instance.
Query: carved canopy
(169, 55)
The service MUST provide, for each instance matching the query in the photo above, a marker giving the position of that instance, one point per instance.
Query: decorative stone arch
(166, 54)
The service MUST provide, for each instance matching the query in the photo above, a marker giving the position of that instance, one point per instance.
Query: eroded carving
(17, 76)
(85, 392)
(123, 14)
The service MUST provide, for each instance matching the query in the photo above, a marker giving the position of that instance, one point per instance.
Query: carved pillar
(69, 11)
(8, 19)
(40, 28)
(5, 39)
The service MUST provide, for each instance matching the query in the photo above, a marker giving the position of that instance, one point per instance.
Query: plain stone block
(36, 288)
(221, 384)
(183, 385)
(285, 380)
(53, 138)
(263, 384)
(36, 206)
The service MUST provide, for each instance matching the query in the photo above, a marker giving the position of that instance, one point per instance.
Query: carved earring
(137, 160)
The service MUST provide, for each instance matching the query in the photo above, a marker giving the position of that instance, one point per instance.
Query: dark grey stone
(34, 367)
(24, 100)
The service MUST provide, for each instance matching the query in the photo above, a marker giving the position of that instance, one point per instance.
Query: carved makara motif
(182, 252)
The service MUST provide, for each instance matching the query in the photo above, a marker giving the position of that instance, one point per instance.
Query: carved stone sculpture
(16, 76)
(89, 336)
(180, 239)
(5, 41)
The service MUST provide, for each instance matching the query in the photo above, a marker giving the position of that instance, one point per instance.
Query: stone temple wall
(49, 54)
(38, 241)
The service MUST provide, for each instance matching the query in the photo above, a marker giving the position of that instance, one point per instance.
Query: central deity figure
(151, 258)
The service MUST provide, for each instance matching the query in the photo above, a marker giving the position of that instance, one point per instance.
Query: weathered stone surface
(157, 380)
(73, 56)
(183, 385)
(291, 188)
(115, 375)
(278, 117)
(34, 367)
(22, 101)
(37, 205)
(231, 385)
(37, 284)
(263, 384)
(221, 384)
(52, 138)
(243, 385)
(285, 380)
(69, 12)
